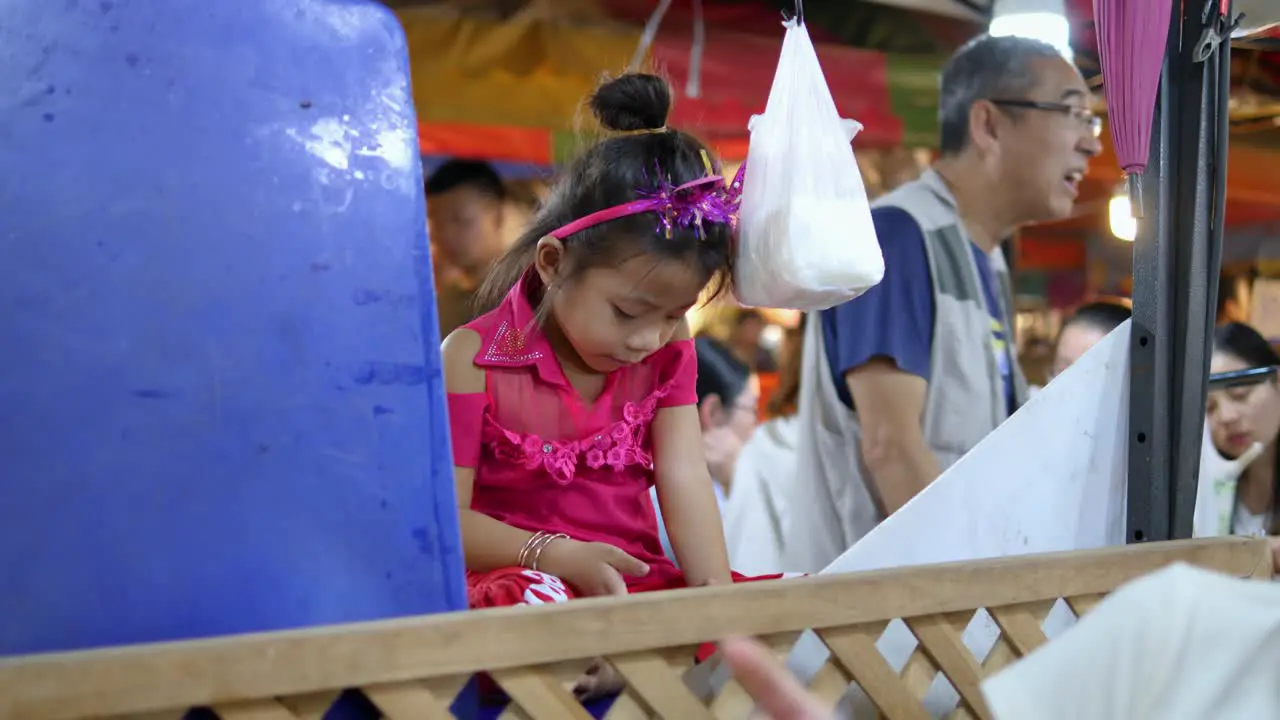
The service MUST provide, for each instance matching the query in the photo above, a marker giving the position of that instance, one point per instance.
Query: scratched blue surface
(221, 406)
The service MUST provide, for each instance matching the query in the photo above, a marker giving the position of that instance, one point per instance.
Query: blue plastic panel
(221, 399)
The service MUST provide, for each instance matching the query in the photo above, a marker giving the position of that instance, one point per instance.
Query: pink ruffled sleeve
(679, 374)
(466, 413)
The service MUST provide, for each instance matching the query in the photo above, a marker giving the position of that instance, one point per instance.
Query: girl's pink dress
(546, 460)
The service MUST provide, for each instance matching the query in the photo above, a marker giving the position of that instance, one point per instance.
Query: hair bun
(635, 101)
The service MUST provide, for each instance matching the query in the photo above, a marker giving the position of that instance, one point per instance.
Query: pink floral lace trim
(618, 445)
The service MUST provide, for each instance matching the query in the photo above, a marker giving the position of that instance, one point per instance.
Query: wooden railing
(410, 669)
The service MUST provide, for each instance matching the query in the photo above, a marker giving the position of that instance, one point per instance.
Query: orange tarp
(534, 70)
(521, 73)
(513, 144)
(1251, 174)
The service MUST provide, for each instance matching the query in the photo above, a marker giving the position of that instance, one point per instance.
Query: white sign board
(1051, 478)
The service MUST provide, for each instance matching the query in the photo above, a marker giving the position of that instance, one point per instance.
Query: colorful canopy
(513, 89)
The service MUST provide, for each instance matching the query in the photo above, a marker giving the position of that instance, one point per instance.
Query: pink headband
(688, 205)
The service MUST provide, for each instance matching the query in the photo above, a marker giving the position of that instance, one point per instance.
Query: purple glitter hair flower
(705, 200)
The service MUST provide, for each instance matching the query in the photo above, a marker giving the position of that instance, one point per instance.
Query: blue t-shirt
(894, 319)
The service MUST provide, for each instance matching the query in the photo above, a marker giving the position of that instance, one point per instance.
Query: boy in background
(465, 216)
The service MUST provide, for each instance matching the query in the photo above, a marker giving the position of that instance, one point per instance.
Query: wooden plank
(416, 700)
(830, 683)
(540, 695)
(1082, 605)
(312, 706)
(253, 710)
(1002, 655)
(919, 673)
(132, 680)
(659, 687)
(855, 649)
(938, 637)
(627, 707)
(514, 712)
(1266, 567)
(1022, 624)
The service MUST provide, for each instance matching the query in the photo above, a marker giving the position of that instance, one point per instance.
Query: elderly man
(901, 382)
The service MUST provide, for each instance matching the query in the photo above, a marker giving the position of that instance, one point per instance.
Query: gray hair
(985, 68)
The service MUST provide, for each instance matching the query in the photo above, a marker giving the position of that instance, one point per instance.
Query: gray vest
(965, 401)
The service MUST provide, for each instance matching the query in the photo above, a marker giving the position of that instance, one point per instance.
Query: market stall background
(508, 77)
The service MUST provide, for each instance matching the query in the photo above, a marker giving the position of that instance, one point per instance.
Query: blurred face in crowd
(739, 417)
(465, 226)
(1241, 416)
(1074, 341)
(747, 333)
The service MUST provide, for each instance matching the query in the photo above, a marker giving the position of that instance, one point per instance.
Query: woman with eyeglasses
(1238, 496)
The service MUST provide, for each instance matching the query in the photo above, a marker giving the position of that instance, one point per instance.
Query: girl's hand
(591, 568)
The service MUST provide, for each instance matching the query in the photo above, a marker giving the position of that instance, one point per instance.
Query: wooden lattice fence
(411, 669)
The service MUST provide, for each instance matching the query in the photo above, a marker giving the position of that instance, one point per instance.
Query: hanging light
(1120, 213)
(1044, 20)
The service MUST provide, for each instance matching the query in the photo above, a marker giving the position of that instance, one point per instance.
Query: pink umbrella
(1132, 35)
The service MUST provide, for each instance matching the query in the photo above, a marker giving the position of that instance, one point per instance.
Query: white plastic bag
(806, 240)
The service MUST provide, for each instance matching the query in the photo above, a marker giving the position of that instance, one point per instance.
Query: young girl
(575, 391)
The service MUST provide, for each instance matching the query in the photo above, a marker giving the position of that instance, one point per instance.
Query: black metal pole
(1196, 282)
(1176, 264)
(1152, 339)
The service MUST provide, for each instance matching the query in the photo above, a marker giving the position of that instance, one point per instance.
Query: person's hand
(775, 691)
(590, 568)
(721, 446)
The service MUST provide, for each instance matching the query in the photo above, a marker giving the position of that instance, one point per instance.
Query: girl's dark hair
(785, 400)
(614, 171)
(719, 372)
(1245, 343)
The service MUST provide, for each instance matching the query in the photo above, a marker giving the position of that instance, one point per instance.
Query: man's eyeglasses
(1084, 116)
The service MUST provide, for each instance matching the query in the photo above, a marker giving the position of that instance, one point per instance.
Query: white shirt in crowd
(1218, 512)
(1181, 643)
(662, 525)
(755, 516)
